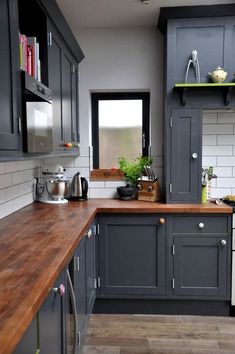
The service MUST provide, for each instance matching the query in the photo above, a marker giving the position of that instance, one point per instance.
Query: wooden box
(149, 190)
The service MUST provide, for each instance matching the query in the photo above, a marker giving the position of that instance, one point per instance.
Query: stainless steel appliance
(54, 187)
(37, 116)
(79, 187)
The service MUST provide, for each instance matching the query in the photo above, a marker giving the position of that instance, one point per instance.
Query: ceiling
(120, 13)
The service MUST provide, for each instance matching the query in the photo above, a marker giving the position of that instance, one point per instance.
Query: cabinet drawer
(186, 224)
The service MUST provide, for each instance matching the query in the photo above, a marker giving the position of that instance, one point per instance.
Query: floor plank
(157, 334)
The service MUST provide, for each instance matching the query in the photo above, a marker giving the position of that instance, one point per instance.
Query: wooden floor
(156, 334)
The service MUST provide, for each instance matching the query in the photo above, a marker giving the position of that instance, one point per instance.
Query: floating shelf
(226, 88)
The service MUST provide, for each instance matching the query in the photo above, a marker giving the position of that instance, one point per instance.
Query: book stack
(29, 56)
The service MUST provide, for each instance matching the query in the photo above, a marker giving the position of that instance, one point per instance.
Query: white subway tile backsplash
(11, 166)
(6, 209)
(208, 161)
(82, 161)
(3, 197)
(70, 172)
(114, 184)
(226, 161)
(209, 140)
(96, 184)
(226, 139)
(217, 129)
(2, 168)
(210, 117)
(226, 117)
(103, 193)
(6, 180)
(12, 192)
(223, 171)
(226, 182)
(220, 192)
(217, 150)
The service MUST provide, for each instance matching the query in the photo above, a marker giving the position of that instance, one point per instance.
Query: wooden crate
(149, 190)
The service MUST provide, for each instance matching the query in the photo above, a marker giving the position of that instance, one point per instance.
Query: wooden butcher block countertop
(37, 242)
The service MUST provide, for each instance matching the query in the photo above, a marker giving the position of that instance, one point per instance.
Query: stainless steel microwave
(37, 115)
(38, 128)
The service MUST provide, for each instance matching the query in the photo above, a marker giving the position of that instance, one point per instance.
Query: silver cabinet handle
(89, 233)
(74, 307)
(201, 225)
(223, 242)
(194, 155)
(60, 290)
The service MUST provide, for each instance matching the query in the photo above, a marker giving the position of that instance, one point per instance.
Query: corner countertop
(37, 242)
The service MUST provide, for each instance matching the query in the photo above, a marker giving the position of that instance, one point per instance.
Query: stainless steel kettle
(79, 187)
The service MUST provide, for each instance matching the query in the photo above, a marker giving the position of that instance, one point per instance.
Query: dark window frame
(96, 97)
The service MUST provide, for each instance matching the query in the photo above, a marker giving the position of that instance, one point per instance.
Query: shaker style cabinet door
(185, 156)
(90, 270)
(10, 75)
(131, 255)
(63, 81)
(52, 318)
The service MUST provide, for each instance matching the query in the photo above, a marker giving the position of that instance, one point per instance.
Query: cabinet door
(90, 270)
(52, 319)
(69, 96)
(29, 342)
(185, 155)
(200, 266)
(63, 80)
(80, 283)
(9, 73)
(131, 255)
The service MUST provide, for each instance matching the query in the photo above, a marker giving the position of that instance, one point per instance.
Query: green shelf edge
(226, 84)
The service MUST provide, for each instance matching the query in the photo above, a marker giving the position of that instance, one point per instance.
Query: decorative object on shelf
(195, 63)
(132, 170)
(218, 75)
(207, 176)
(148, 190)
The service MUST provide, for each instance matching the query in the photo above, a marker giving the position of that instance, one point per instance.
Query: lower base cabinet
(131, 251)
(201, 256)
(29, 343)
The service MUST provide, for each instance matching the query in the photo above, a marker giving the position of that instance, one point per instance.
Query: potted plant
(132, 170)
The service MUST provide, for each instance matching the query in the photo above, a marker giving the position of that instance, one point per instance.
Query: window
(120, 127)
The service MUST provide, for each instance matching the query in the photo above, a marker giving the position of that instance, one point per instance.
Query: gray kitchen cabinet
(90, 269)
(63, 80)
(29, 343)
(185, 156)
(131, 251)
(10, 76)
(201, 252)
(52, 318)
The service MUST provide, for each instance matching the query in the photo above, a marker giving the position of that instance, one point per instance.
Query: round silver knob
(194, 155)
(201, 225)
(223, 242)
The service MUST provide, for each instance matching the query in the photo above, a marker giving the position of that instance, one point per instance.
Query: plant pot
(126, 193)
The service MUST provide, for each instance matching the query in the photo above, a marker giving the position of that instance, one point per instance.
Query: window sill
(106, 174)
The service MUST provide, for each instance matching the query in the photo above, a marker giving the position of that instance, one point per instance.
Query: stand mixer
(54, 187)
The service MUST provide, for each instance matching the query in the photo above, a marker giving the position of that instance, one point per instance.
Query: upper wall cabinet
(43, 21)
(10, 78)
(63, 80)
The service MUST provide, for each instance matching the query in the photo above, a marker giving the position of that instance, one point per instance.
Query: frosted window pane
(120, 130)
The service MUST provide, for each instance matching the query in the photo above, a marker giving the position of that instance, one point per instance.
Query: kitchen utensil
(79, 187)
